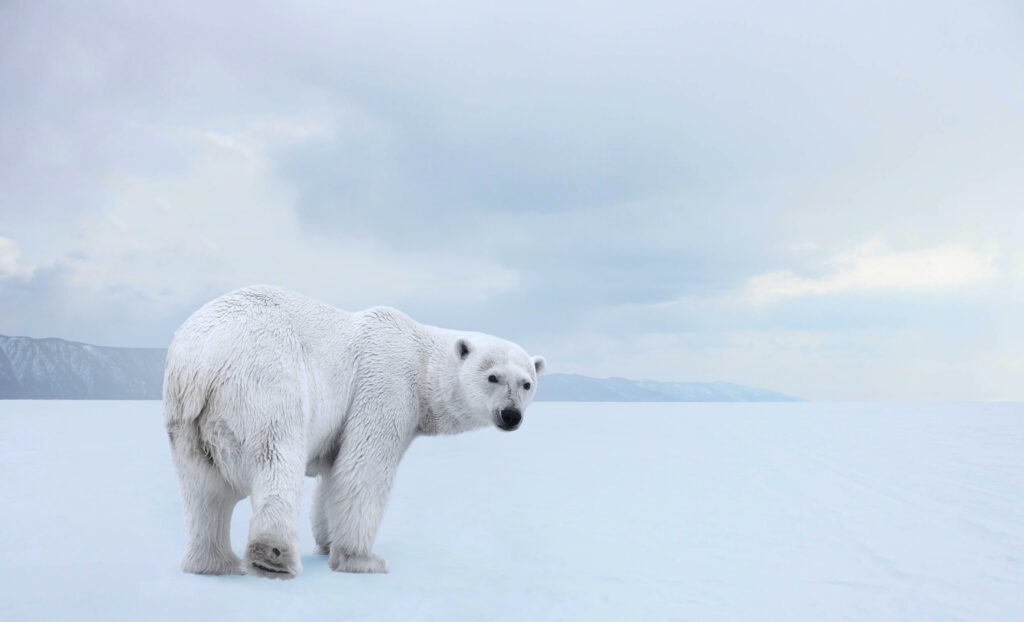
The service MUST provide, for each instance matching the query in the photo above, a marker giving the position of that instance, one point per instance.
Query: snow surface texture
(740, 512)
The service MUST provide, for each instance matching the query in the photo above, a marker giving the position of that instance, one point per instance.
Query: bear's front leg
(361, 478)
(321, 524)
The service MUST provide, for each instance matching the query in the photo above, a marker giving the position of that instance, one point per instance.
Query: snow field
(684, 511)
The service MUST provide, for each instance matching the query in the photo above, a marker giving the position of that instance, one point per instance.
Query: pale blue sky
(820, 198)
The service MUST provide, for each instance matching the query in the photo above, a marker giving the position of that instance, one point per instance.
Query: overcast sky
(825, 199)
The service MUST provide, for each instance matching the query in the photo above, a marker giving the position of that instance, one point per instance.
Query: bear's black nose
(510, 418)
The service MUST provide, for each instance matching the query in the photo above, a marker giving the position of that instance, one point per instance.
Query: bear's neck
(443, 406)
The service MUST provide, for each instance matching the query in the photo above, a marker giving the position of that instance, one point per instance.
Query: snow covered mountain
(58, 369)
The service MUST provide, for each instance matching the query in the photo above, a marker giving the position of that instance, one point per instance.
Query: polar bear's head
(498, 379)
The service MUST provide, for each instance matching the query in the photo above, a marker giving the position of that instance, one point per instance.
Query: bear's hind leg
(208, 502)
(273, 549)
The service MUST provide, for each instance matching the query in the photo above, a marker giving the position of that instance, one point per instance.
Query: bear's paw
(271, 558)
(340, 562)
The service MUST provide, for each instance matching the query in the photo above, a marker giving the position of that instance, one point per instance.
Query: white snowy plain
(796, 511)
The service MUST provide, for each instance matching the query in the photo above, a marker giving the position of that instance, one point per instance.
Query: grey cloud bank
(700, 191)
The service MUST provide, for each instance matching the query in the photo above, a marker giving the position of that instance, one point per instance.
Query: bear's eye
(526, 385)
(492, 378)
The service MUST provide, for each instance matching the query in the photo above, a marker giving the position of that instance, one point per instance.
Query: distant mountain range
(576, 388)
(58, 369)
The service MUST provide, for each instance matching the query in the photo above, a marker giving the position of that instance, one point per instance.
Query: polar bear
(263, 386)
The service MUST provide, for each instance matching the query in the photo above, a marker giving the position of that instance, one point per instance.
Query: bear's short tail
(186, 397)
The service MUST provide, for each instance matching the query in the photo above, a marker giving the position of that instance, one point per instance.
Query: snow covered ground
(797, 511)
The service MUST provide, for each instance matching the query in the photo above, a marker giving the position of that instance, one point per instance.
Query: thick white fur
(263, 386)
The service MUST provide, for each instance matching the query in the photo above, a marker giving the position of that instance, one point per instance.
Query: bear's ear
(538, 364)
(462, 348)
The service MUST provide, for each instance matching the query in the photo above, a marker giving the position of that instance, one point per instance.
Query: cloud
(225, 221)
(872, 266)
(11, 264)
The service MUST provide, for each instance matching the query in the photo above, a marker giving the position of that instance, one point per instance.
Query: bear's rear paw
(266, 557)
(340, 562)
